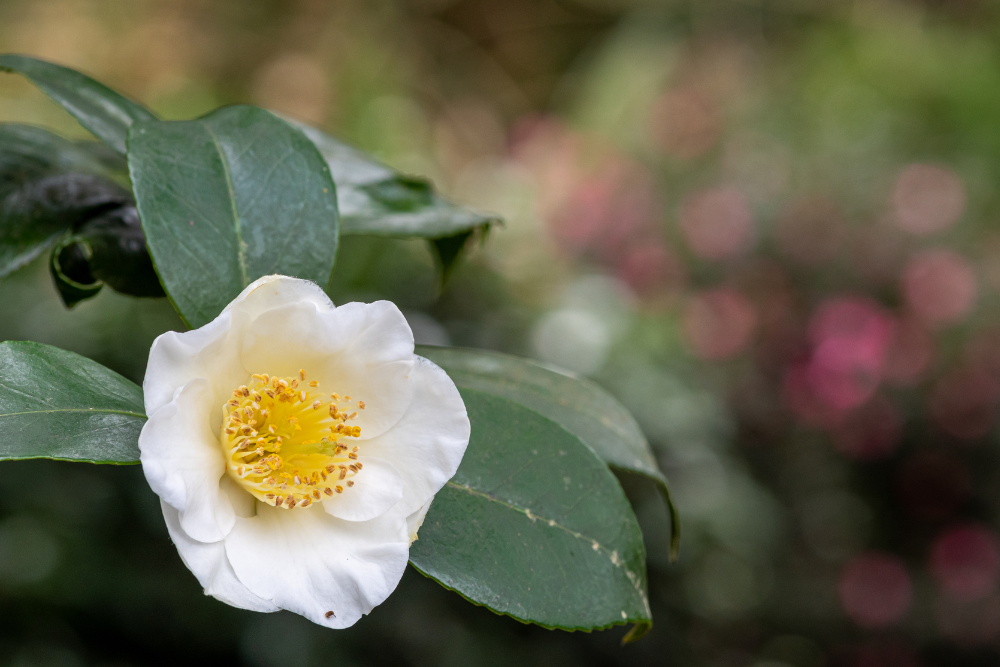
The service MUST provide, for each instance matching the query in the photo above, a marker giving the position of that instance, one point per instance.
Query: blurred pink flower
(927, 199)
(939, 286)
(850, 338)
(651, 267)
(717, 223)
(875, 590)
(718, 323)
(965, 560)
(608, 211)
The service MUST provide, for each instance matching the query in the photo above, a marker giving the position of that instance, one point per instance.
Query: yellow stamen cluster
(282, 440)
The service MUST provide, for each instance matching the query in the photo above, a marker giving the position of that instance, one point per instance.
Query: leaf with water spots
(577, 404)
(534, 525)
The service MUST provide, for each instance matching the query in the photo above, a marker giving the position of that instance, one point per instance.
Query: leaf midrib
(238, 224)
(531, 516)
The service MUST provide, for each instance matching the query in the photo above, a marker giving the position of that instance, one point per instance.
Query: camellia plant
(303, 452)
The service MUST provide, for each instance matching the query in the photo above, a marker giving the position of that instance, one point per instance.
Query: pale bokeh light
(927, 199)
(875, 590)
(718, 324)
(717, 223)
(939, 286)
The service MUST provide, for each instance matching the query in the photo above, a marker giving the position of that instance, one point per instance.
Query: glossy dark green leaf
(379, 201)
(107, 114)
(227, 198)
(534, 525)
(578, 405)
(48, 186)
(58, 405)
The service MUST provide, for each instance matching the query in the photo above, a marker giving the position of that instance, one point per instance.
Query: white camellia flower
(296, 447)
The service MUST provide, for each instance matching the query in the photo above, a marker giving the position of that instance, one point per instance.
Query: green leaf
(578, 405)
(101, 110)
(58, 405)
(378, 201)
(534, 525)
(227, 198)
(48, 186)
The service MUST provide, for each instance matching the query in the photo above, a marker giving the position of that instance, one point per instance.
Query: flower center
(286, 443)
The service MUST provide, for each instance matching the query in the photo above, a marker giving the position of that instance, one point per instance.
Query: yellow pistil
(282, 447)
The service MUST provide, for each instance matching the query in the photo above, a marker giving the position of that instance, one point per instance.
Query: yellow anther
(313, 383)
(340, 489)
(302, 373)
(353, 415)
(350, 482)
(294, 384)
(270, 427)
(316, 404)
(361, 404)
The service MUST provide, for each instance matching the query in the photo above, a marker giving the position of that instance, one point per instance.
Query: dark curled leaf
(101, 110)
(48, 186)
(379, 201)
(69, 265)
(107, 250)
(56, 404)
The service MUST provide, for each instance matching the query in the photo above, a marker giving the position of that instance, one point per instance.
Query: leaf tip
(637, 632)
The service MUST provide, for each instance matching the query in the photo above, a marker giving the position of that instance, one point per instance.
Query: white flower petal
(360, 350)
(275, 291)
(209, 563)
(429, 441)
(213, 351)
(377, 488)
(183, 462)
(177, 358)
(415, 520)
(311, 563)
